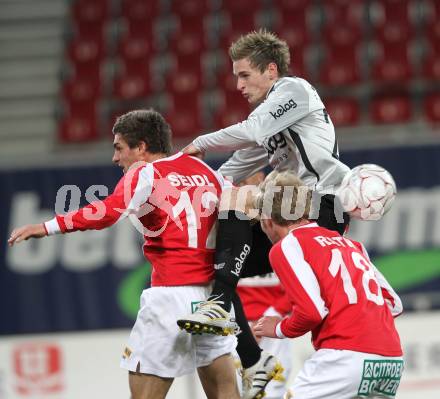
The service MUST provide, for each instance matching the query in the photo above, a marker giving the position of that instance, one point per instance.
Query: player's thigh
(257, 262)
(218, 378)
(147, 386)
(208, 348)
(156, 345)
(325, 375)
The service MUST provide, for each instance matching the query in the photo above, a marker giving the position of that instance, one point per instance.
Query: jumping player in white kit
(336, 293)
(288, 128)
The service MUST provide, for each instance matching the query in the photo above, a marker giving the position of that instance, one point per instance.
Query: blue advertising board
(92, 280)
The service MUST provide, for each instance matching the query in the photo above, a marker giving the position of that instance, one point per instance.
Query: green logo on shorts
(380, 376)
(195, 305)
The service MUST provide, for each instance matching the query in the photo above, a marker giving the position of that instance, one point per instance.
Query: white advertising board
(86, 365)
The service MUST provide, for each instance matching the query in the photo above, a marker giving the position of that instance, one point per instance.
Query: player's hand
(191, 149)
(26, 232)
(265, 327)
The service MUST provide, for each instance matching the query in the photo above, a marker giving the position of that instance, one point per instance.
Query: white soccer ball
(367, 192)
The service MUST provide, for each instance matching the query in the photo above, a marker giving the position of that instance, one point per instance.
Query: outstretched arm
(245, 163)
(129, 195)
(288, 103)
(302, 289)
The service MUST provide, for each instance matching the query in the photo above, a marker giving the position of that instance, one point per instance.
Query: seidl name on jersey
(189, 181)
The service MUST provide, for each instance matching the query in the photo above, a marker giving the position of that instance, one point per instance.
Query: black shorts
(329, 213)
(257, 262)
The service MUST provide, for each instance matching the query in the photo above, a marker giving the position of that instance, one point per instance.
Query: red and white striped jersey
(173, 203)
(336, 292)
(259, 293)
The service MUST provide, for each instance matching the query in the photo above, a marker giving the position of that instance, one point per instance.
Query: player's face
(123, 155)
(252, 84)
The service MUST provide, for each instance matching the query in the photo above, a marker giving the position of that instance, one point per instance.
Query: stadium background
(67, 68)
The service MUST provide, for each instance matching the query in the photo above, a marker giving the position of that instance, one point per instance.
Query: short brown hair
(148, 126)
(284, 198)
(262, 48)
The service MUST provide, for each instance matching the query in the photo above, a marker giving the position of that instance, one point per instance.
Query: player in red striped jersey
(173, 201)
(336, 293)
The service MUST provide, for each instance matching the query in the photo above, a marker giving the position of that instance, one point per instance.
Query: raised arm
(244, 163)
(289, 101)
(302, 289)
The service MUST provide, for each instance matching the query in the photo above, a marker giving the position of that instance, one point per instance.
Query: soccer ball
(367, 192)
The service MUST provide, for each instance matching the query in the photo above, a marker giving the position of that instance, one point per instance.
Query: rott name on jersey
(339, 241)
(282, 109)
(189, 181)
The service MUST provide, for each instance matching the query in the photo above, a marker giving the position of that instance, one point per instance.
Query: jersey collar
(170, 158)
(274, 86)
(304, 226)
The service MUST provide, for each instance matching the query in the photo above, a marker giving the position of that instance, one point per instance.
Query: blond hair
(262, 48)
(284, 198)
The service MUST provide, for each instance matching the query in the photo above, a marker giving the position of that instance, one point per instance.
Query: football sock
(233, 245)
(247, 346)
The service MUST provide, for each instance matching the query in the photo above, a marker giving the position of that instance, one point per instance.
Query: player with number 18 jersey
(336, 292)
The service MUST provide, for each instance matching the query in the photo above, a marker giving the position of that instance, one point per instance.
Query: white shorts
(157, 344)
(343, 374)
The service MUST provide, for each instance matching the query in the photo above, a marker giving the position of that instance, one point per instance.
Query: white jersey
(289, 130)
